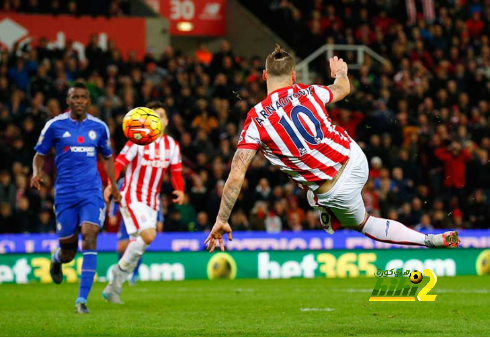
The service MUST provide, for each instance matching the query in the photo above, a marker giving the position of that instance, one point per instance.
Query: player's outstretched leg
(121, 248)
(64, 254)
(127, 264)
(55, 269)
(89, 265)
(114, 288)
(134, 276)
(449, 239)
(390, 231)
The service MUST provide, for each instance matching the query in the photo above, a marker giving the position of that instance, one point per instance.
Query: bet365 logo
(403, 289)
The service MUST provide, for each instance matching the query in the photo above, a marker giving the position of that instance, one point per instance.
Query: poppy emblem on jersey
(80, 139)
(92, 134)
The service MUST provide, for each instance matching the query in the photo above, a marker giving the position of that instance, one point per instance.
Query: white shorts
(344, 199)
(138, 217)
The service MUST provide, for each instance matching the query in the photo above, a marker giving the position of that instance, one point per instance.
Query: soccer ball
(142, 126)
(416, 277)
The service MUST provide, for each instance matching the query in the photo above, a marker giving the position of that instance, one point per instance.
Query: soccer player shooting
(79, 205)
(293, 130)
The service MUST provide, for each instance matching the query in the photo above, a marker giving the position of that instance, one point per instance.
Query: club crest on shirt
(58, 226)
(92, 134)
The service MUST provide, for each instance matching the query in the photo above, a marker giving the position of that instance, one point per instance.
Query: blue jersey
(76, 144)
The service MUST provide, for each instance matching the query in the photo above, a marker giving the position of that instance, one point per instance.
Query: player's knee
(121, 246)
(68, 250)
(67, 255)
(361, 226)
(89, 236)
(358, 227)
(89, 241)
(148, 236)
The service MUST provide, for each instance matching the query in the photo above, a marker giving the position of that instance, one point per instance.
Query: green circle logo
(483, 263)
(222, 266)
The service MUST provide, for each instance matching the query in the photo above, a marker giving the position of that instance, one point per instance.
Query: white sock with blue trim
(390, 231)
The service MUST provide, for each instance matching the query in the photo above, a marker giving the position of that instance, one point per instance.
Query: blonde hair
(279, 63)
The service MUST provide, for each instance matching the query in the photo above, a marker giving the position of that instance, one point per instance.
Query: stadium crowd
(422, 118)
(109, 8)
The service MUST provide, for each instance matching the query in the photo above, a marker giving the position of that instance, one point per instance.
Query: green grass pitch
(296, 307)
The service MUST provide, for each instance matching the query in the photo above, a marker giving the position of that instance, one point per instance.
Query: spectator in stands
(202, 223)
(203, 55)
(424, 224)
(7, 220)
(187, 213)
(273, 223)
(21, 72)
(455, 159)
(239, 221)
(258, 216)
(7, 189)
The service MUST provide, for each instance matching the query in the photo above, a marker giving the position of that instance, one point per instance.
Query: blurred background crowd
(109, 8)
(422, 118)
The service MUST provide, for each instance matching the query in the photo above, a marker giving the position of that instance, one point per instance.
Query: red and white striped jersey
(293, 130)
(146, 168)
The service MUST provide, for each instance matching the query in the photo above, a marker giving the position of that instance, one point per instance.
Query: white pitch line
(327, 309)
(354, 290)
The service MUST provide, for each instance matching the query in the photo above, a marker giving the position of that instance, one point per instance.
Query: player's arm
(104, 147)
(111, 175)
(176, 177)
(127, 154)
(341, 86)
(44, 144)
(241, 162)
(37, 166)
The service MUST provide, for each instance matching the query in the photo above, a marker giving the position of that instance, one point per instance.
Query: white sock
(389, 231)
(131, 256)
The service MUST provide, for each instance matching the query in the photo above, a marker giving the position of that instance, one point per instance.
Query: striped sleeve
(127, 154)
(324, 93)
(175, 166)
(175, 158)
(249, 137)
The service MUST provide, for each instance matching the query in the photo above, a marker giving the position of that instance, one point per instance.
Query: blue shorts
(71, 214)
(123, 235)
